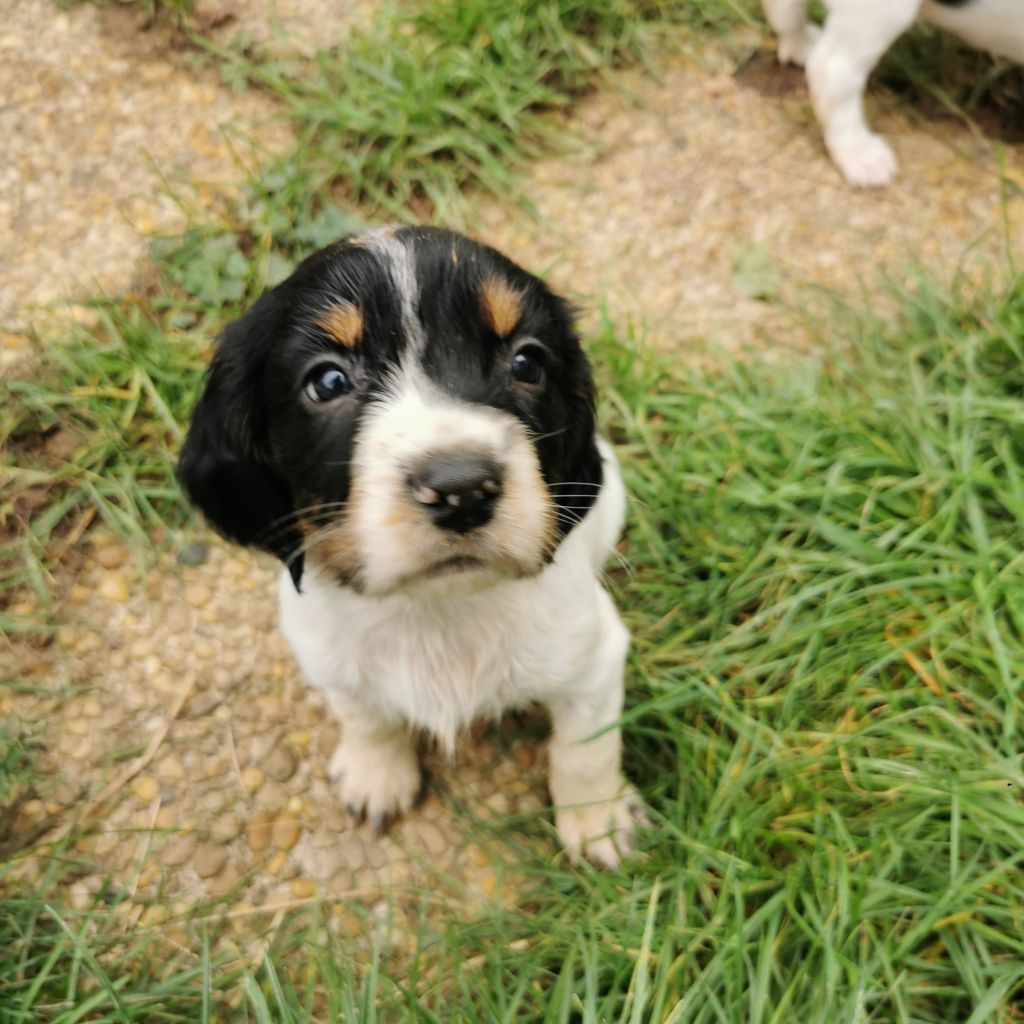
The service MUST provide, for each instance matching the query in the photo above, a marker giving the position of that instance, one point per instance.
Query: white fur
(856, 33)
(401, 264)
(417, 651)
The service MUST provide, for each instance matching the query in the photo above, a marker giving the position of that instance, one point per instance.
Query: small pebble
(165, 818)
(170, 768)
(91, 706)
(155, 913)
(198, 595)
(114, 587)
(252, 779)
(225, 828)
(271, 797)
(300, 739)
(281, 764)
(79, 896)
(285, 831)
(209, 860)
(303, 888)
(145, 789)
(34, 810)
(487, 883)
(270, 705)
(352, 852)
(193, 554)
(227, 880)
(112, 556)
(258, 831)
(178, 849)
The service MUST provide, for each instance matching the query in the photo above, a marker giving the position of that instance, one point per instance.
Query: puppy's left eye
(326, 383)
(527, 365)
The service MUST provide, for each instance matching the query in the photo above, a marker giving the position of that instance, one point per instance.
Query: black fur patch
(259, 451)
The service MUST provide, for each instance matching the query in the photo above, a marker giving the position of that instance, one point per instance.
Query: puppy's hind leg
(796, 35)
(856, 34)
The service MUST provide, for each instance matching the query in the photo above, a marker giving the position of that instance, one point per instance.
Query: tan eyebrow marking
(343, 323)
(502, 305)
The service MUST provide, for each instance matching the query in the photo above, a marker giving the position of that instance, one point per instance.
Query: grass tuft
(440, 97)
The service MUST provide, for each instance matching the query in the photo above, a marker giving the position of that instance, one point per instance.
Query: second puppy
(840, 56)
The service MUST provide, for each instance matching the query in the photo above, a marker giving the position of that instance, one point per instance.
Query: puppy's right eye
(325, 383)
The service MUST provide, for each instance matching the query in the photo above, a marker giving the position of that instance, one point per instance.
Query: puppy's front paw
(601, 832)
(865, 159)
(794, 49)
(376, 782)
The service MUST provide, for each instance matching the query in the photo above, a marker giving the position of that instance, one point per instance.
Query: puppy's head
(408, 406)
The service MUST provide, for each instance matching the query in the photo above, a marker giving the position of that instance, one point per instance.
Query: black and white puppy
(407, 422)
(856, 33)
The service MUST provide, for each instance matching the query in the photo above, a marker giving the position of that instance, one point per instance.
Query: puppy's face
(408, 406)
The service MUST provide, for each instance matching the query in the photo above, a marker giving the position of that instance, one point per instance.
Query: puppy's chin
(435, 569)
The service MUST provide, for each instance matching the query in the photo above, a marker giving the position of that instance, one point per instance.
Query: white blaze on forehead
(399, 260)
(417, 418)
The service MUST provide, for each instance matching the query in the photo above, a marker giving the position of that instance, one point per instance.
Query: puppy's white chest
(443, 675)
(440, 667)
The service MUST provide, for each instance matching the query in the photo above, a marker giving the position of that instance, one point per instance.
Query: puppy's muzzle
(457, 491)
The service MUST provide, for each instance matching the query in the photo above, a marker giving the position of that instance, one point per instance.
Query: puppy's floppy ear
(226, 466)
(580, 459)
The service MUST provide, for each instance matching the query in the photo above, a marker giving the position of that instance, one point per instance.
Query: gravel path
(105, 134)
(218, 784)
(685, 179)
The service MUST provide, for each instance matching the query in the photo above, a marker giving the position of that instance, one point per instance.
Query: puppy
(856, 33)
(407, 422)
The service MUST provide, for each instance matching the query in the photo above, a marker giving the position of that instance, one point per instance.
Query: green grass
(825, 595)
(442, 96)
(826, 598)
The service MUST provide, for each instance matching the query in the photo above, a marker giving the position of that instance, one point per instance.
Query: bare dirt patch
(683, 180)
(106, 132)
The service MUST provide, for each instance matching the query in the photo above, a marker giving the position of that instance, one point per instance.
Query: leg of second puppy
(856, 34)
(788, 18)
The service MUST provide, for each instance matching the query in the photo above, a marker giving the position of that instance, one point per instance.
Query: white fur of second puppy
(840, 56)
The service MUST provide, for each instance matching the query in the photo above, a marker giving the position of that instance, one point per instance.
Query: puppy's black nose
(459, 492)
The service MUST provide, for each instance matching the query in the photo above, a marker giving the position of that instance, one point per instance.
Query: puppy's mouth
(455, 564)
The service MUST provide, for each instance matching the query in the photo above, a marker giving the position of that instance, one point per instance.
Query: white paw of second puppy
(601, 833)
(865, 159)
(794, 49)
(378, 784)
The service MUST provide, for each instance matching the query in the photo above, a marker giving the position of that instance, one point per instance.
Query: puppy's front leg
(596, 810)
(796, 36)
(856, 34)
(375, 767)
